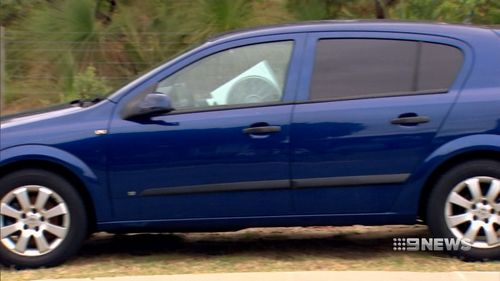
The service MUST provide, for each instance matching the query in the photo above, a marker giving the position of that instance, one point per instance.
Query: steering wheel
(253, 89)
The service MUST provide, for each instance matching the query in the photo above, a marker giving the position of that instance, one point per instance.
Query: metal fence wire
(44, 66)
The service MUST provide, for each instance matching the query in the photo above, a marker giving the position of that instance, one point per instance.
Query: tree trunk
(379, 10)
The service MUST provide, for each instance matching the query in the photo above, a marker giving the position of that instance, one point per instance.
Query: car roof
(421, 27)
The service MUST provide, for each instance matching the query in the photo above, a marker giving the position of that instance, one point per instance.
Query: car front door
(368, 110)
(224, 150)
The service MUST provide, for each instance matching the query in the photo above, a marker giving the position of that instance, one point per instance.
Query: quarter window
(363, 68)
(244, 75)
(438, 66)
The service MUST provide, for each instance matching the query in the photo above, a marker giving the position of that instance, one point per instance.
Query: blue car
(322, 123)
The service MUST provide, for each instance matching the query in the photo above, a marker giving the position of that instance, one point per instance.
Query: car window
(438, 66)
(358, 68)
(243, 75)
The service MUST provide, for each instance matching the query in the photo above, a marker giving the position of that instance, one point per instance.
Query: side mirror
(151, 105)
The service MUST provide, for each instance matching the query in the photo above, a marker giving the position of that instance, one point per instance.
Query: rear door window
(365, 68)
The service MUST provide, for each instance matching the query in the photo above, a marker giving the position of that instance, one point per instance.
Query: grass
(273, 249)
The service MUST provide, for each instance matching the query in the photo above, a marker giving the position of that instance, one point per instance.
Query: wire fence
(38, 66)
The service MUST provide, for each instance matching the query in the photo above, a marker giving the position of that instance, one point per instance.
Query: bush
(88, 86)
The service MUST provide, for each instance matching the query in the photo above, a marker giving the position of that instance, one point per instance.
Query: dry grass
(273, 249)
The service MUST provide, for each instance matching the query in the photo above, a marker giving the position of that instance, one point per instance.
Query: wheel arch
(62, 171)
(59, 162)
(489, 154)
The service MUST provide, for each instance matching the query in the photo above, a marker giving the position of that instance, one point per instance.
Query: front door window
(245, 75)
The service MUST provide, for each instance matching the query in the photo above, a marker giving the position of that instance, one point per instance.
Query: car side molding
(219, 187)
(278, 184)
(350, 180)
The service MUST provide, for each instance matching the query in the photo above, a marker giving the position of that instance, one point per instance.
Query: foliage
(88, 86)
(11, 10)
(52, 42)
(309, 9)
(454, 11)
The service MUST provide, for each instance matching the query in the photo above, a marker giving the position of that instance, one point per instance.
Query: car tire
(465, 204)
(42, 219)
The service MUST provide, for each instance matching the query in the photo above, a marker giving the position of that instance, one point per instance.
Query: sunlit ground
(272, 249)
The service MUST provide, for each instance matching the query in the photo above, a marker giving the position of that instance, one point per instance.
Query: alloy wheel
(472, 212)
(34, 220)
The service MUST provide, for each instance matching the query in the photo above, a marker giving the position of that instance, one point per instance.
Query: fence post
(2, 69)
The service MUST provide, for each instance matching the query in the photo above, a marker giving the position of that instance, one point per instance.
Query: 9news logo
(430, 244)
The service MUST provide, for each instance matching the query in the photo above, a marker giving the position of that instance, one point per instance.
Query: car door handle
(261, 130)
(410, 120)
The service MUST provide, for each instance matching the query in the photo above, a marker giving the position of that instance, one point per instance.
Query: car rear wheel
(465, 205)
(42, 219)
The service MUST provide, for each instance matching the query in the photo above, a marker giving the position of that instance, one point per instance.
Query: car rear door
(368, 109)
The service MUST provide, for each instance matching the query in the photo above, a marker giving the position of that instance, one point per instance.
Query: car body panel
(199, 149)
(355, 138)
(65, 137)
(204, 148)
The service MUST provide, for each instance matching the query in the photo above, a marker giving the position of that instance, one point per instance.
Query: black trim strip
(218, 187)
(378, 96)
(282, 103)
(350, 181)
(279, 184)
(226, 107)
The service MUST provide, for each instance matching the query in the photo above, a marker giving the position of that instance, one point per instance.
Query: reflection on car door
(215, 156)
(374, 106)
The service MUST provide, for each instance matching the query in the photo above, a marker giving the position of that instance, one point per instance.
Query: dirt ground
(258, 249)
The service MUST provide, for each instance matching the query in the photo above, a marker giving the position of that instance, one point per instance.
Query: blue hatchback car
(323, 123)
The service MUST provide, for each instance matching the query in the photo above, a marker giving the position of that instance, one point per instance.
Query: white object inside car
(262, 71)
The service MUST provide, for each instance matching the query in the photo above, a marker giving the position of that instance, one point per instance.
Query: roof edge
(338, 23)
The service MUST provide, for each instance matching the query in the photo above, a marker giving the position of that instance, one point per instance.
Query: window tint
(357, 68)
(244, 75)
(438, 66)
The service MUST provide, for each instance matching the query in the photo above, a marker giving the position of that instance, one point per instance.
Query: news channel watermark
(430, 244)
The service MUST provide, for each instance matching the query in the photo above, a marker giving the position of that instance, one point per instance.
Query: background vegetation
(58, 50)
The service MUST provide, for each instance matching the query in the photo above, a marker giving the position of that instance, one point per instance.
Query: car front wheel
(42, 219)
